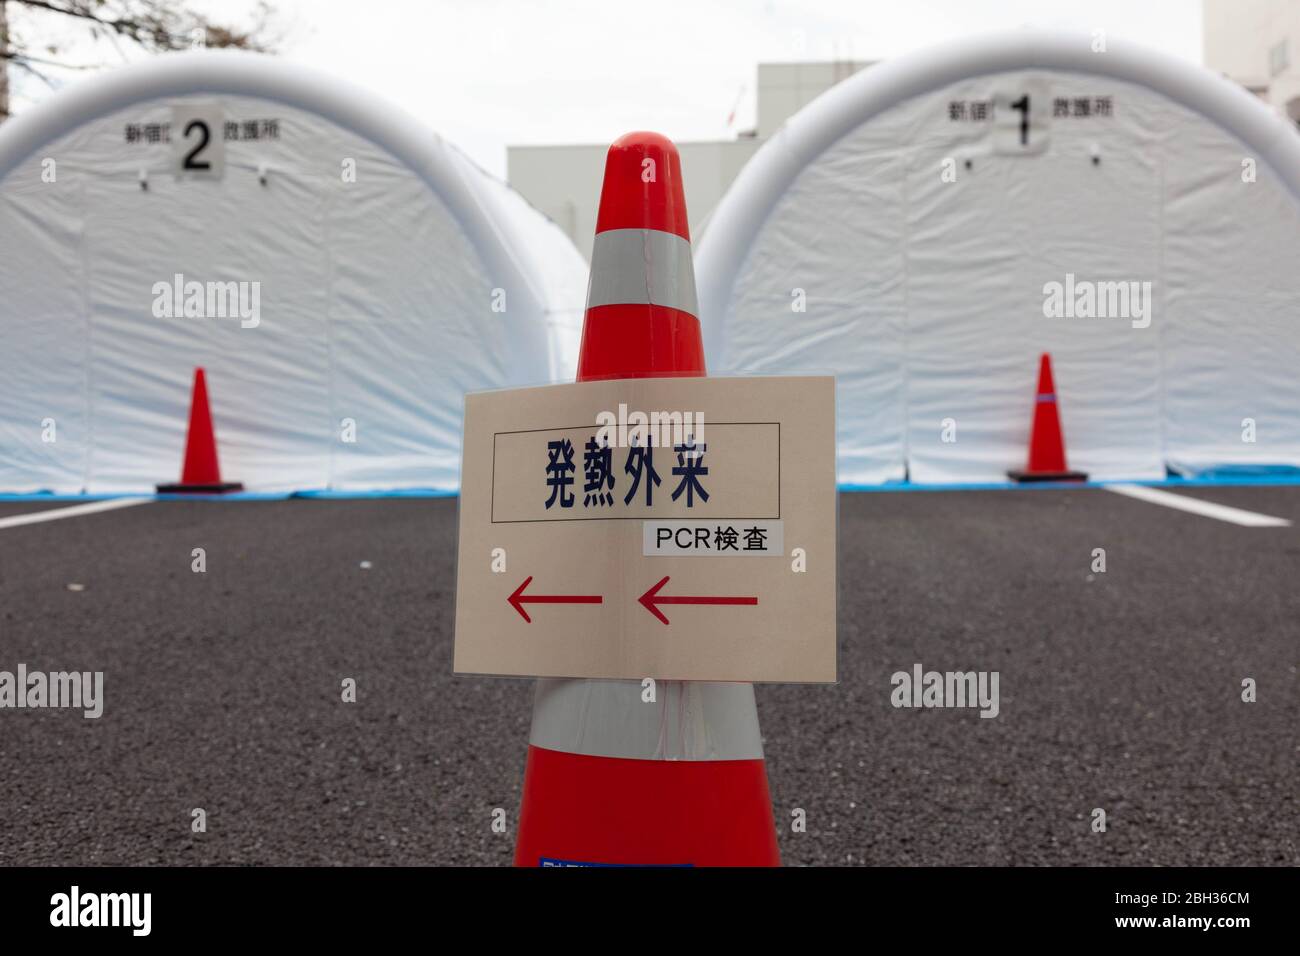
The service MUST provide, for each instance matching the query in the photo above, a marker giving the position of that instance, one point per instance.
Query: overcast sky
(488, 73)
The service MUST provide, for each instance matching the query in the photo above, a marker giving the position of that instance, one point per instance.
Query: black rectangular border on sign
(564, 428)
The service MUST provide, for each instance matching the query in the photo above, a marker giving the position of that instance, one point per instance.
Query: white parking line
(1247, 519)
(89, 508)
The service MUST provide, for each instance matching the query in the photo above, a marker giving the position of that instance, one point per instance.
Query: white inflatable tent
(920, 210)
(382, 276)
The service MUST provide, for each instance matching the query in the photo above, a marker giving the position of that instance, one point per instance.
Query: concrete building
(1257, 43)
(563, 182)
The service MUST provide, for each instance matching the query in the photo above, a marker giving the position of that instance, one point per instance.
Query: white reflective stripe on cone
(689, 720)
(642, 267)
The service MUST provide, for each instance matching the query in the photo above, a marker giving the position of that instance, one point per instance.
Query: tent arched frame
(239, 73)
(738, 218)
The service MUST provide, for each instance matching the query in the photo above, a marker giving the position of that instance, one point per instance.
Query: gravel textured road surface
(1118, 690)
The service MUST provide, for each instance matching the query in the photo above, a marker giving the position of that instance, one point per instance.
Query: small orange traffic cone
(615, 777)
(201, 472)
(1046, 443)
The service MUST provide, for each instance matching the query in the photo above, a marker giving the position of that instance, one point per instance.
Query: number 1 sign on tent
(1022, 115)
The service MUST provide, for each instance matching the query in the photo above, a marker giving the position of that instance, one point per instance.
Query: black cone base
(216, 488)
(1031, 476)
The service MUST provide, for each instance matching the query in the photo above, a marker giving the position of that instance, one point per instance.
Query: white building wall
(563, 182)
(1257, 43)
(786, 88)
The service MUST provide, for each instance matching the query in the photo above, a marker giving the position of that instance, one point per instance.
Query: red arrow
(517, 600)
(652, 598)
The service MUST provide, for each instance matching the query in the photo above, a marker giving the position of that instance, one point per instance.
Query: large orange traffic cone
(1046, 443)
(613, 778)
(201, 472)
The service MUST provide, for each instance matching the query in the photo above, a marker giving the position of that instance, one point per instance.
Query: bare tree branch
(34, 72)
(22, 59)
(155, 26)
(159, 25)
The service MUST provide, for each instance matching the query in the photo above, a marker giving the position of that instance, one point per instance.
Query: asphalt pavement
(1119, 690)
